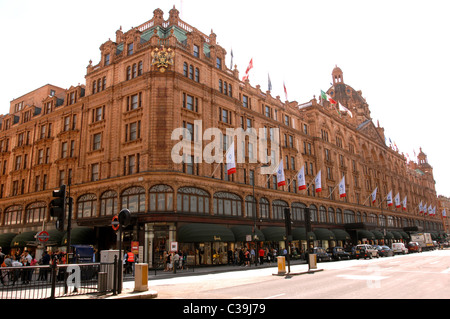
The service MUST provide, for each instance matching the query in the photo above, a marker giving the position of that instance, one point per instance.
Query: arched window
(278, 207)
(382, 221)
(298, 211)
(349, 216)
(35, 212)
(108, 204)
(13, 215)
(191, 72)
(185, 69)
(372, 219)
(133, 198)
(197, 75)
(331, 215)
(161, 198)
(313, 213)
(322, 214)
(338, 216)
(263, 208)
(192, 200)
(87, 207)
(227, 204)
(250, 206)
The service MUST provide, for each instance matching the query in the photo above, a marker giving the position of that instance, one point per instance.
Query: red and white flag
(280, 175)
(374, 195)
(397, 200)
(250, 66)
(301, 179)
(389, 199)
(404, 203)
(444, 214)
(231, 163)
(425, 210)
(342, 187)
(420, 208)
(318, 182)
(285, 91)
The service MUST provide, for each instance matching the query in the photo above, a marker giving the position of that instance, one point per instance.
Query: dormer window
(107, 59)
(196, 51)
(130, 49)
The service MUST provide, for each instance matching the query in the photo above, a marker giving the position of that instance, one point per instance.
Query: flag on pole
(430, 210)
(301, 179)
(425, 210)
(280, 175)
(326, 97)
(269, 83)
(344, 109)
(444, 214)
(420, 208)
(374, 195)
(434, 211)
(404, 203)
(397, 200)
(231, 64)
(389, 199)
(250, 66)
(285, 91)
(342, 187)
(318, 182)
(231, 163)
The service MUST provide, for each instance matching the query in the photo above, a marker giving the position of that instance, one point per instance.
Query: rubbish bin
(102, 281)
(141, 277)
(281, 265)
(312, 261)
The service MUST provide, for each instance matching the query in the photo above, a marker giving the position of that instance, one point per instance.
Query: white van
(399, 248)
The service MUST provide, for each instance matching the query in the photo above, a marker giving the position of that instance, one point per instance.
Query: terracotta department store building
(111, 140)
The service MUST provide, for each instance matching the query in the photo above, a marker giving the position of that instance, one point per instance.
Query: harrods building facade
(111, 140)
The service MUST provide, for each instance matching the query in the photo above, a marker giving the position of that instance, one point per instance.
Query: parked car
(384, 251)
(414, 247)
(321, 254)
(399, 248)
(365, 251)
(339, 253)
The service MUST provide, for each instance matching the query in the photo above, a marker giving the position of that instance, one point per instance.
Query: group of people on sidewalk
(247, 256)
(176, 259)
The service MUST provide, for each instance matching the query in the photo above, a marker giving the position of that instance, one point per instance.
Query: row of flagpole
(301, 181)
(301, 185)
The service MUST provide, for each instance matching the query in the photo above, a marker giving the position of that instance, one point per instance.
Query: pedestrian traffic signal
(58, 207)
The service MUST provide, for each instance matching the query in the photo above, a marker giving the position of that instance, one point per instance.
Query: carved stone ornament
(162, 58)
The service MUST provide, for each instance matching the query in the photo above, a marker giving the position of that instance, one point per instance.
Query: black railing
(56, 281)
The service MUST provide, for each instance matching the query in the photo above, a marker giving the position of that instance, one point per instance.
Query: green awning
(324, 234)
(300, 234)
(404, 235)
(389, 235)
(195, 233)
(397, 235)
(241, 232)
(377, 234)
(341, 234)
(80, 236)
(365, 234)
(5, 240)
(23, 239)
(54, 237)
(274, 233)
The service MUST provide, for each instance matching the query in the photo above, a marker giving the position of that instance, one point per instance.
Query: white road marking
(274, 296)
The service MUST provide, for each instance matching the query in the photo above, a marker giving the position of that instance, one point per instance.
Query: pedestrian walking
(261, 255)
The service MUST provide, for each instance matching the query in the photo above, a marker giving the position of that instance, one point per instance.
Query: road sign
(115, 222)
(43, 236)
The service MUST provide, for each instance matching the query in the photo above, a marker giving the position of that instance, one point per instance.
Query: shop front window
(108, 204)
(192, 200)
(133, 199)
(227, 204)
(161, 198)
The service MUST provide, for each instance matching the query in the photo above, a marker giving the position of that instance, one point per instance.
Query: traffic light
(58, 207)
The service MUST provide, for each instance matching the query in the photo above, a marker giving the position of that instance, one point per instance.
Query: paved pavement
(129, 293)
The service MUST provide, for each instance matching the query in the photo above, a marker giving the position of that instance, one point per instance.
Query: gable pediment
(369, 129)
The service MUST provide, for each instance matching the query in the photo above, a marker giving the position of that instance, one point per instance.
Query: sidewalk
(129, 293)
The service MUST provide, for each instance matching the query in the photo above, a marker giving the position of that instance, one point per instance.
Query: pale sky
(395, 52)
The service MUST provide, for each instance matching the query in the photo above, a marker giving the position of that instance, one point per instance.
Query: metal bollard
(102, 281)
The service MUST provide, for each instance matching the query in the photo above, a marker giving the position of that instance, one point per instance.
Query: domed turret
(338, 76)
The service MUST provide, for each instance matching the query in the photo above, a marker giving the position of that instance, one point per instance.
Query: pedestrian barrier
(51, 281)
